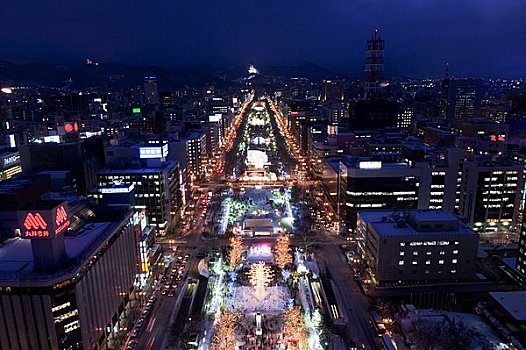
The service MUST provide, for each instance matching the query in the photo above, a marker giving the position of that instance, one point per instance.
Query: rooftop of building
(139, 170)
(513, 302)
(43, 204)
(415, 223)
(17, 266)
(20, 182)
(365, 163)
(8, 151)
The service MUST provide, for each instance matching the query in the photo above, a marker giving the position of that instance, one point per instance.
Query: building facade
(75, 302)
(417, 247)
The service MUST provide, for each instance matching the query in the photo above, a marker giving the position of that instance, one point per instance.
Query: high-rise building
(373, 114)
(417, 247)
(155, 179)
(156, 189)
(463, 98)
(191, 152)
(369, 184)
(332, 90)
(374, 65)
(489, 193)
(151, 95)
(405, 118)
(81, 158)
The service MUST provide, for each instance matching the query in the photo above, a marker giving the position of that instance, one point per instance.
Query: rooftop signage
(44, 223)
(153, 152)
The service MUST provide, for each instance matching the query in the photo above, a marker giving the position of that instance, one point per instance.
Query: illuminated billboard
(44, 223)
(214, 118)
(153, 152)
(332, 130)
(70, 127)
(370, 165)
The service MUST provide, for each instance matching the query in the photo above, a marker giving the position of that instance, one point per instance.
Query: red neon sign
(35, 225)
(61, 220)
(70, 127)
(61, 215)
(35, 222)
(46, 223)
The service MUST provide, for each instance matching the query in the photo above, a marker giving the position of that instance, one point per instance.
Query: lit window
(454, 261)
(402, 253)
(415, 253)
(441, 262)
(455, 251)
(414, 262)
(428, 253)
(428, 262)
(400, 262)
(453, 271)
(442, 253)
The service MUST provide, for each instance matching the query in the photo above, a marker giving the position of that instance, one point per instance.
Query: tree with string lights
(283, 252)
(294, 329)
(236, 251)
(225, 332)
(260, 276)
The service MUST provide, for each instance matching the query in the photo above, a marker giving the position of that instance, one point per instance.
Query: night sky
(477, 37)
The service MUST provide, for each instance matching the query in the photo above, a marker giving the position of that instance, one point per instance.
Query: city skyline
(476, 39)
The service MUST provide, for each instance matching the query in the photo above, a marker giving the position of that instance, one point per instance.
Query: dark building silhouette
(332, 90)
(373, 114)
(83, 159)
(461, 98)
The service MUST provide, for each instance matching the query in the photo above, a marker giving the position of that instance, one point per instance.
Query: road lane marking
(150, 343)
(150, 325)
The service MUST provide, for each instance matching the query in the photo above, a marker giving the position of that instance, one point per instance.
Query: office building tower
(151, 95)
(373, 114)
(156, 189)
(463, 98)
(417, 247)
(332, 90)
(156, 180)
(405, 118)
(191, 152)
(81, 158)
(370, 184)
(374, 65)
(489, 193)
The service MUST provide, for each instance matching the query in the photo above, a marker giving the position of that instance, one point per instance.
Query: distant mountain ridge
(123, 76)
